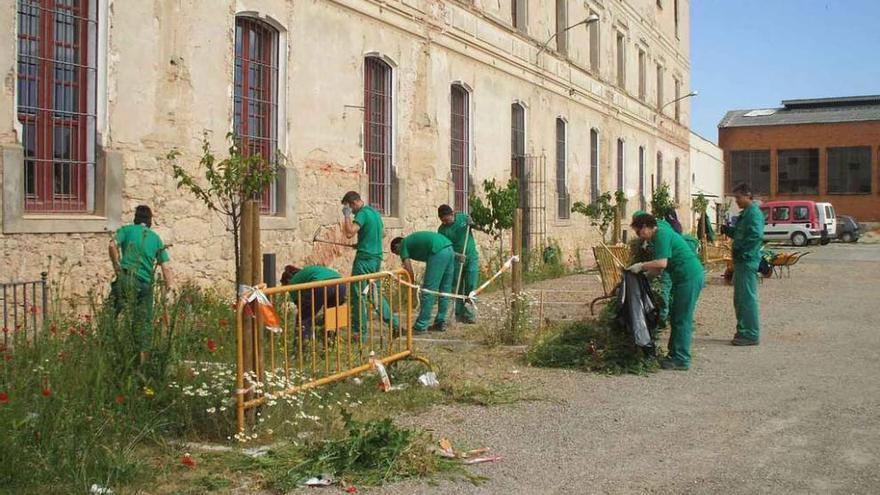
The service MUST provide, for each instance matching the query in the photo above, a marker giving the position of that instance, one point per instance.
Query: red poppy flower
(223, 322)
(34, 309)
(187, 461)
(7, 357)
(120, 399)
(4, 397)
(46, 392)
(212, 346)
(351, 489)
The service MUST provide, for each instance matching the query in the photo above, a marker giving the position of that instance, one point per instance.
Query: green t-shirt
(313, 273)
(682, 262)
(141, 249)
(748, 235)
(370, 233)
(457, 233)
(421, 245)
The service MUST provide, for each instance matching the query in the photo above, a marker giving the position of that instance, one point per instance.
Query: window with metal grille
(561, 24)
(750, 167)
(460, 143)
(378, 132)
(849, 170)
(677, 99)
(595, 51)
(562, 198)
(677, 181)
(56, 103)
(620, 166)
(255, 98)
(641, 177)
(643, 74)
(659, 169)
(798, 171)
(518, 14)
(659, 87)
(594, 165)
(675, 13)
(621, 61)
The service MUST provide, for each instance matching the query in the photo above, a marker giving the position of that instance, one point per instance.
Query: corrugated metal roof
(815, 111)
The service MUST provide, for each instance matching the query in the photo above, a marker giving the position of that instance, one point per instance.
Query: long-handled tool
(332, 243)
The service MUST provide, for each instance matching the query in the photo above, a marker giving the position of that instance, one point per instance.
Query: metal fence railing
(25, 307)
(327, 331)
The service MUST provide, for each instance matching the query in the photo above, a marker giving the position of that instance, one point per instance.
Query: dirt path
(799, 414)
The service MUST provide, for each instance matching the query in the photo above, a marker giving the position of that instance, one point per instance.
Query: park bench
(610, 271)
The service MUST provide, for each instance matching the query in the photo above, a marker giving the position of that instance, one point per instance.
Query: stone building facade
(414, 103)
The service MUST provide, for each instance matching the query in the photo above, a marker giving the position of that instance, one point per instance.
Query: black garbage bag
(637, 310)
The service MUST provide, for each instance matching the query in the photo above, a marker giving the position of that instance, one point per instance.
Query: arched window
(255, 97)
(378, 132)
(460, 145)
(677, 180)
(594, 165)
(56, 103)
(659, 169)
(563, 210)
(620, 166)
(641, 177)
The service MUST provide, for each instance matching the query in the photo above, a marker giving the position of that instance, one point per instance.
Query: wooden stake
(247, 278)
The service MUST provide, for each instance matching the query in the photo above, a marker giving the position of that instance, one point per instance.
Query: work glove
(636, 267)
(346, 211)
(460, 257)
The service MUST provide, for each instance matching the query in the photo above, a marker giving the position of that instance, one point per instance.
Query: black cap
(444, 210)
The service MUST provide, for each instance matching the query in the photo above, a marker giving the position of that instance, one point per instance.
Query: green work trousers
(439, 271)
(665, 294)
(745, 301)
(134, 296)
(470, 277)
(358, 309)
(685, 294)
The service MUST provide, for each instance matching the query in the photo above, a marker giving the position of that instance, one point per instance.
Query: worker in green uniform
(135, 251)
(436, 252)
(309, 302)
(665, 280)
(466, 274)
(673, 254)
(365, 222)
(748, 238)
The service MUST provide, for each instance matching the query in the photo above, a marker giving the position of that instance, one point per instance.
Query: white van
(828, 218)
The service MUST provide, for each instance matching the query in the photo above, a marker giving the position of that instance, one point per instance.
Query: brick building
(411, 102)
(825, 149)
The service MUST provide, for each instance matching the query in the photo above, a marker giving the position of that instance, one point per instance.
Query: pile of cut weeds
(600, 346)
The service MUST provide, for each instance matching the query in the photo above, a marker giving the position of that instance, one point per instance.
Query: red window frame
(255, 98)
(57, 118)
(378, 132)
(460, 146)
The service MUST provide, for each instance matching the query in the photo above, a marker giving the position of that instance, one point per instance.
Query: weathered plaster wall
(169, 76)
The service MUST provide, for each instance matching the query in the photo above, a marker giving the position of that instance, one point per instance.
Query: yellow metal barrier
(304, 354)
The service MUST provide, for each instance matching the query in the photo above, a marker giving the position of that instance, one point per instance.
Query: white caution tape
(467, 298)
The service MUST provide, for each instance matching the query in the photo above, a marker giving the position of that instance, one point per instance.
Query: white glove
(636, 267)
(346, 211)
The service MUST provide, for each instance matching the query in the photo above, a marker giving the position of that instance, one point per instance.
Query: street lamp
(660, 110)
(586, 22)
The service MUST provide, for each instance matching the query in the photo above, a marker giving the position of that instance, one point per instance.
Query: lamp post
(586, 22)
(660, 110)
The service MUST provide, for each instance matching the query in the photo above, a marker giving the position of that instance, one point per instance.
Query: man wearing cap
(135, 251)
(435, 251)
(466, 274)
(365, 222)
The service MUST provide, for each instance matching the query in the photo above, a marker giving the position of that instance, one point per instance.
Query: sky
(756, 53)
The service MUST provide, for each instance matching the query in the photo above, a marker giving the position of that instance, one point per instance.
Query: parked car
(798, 221)
(847, 229)
(827, 218)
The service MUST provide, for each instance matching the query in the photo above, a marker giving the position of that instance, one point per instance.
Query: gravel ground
(798, 414)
